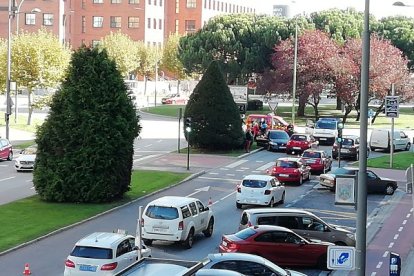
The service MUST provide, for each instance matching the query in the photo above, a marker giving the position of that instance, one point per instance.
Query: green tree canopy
(85, 146)
(170, 60)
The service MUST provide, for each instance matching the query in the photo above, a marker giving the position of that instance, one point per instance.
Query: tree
(149, 56)
(3, 65)
(170, 60)
(215, 116)
(85, 146)
(123, 50)
(38, 60)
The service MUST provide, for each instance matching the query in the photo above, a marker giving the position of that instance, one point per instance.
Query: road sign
(242, 107)
(392, 106)
(341, 257)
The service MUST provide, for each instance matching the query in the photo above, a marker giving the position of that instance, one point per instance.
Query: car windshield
(286, 164)
(312, 154)
(31, 150)
(91, 252)
(347, 142)
(298, 137)
(161, 212)
(326, 124)
(344, 171)
(253, 183)
(278, 135)
(245, 233)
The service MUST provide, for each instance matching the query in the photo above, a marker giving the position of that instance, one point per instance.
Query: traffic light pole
(188, 155)
(188, 130)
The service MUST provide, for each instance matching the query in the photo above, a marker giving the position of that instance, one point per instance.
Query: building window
(149, 23)
(30, 19)
(160, 24)
(191, 4)
(155, 23)
(98, 1)
(177, 25)
(115, 22)
(95, 43)
(48, 19)
(133, 22)
(116, 1)
(149, 2)
(190, 26)
(83, 25)
(133, 1)
(160, 3)
(177, 6)
(97, 21)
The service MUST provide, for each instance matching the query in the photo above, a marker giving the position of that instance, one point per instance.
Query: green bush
(216, 123)
(85, 146)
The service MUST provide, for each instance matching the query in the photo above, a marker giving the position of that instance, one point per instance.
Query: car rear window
(286, 164)
(92, 252)
(326, 125)
(347, 142)
(161, 212)
(311, 154)
(245, 233)
(252, 183)
(298, 137)
(344, 171)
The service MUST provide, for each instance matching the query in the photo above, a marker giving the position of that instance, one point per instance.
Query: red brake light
(267, 192)
(232, 246)
(238, 189)
(69, 263)
(110, 266)
(181, 225)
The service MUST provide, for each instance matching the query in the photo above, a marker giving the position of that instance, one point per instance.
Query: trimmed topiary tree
(216, 123)
(85, 146)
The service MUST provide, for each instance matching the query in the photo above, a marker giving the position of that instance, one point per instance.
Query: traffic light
(340, 128)
(188, 124)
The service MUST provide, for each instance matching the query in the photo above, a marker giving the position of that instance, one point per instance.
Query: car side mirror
(206, 208)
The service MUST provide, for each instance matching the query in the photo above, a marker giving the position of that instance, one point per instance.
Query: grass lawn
(401, 161)
(21, 123)
(29, 218)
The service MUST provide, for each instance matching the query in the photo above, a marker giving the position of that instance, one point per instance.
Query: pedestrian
(255, 129)
(249, 139)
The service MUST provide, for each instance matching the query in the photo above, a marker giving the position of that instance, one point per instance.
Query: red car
(277, 244)
(318, 160)
(290, 169)
(174, 99)
(300, 142)
(6, 150)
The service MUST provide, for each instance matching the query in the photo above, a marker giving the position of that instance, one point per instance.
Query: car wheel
(300, 180)
(389, 189)
(188, 243)
(322, 262)
(283, 198)
(272, 203)
(147, 242)
(407, 148)
(238, 205)
(10, 156)
(209, 231)
(357, 156)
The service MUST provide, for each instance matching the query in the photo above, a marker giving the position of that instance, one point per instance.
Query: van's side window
(266, 220)
(193, 208)
(244, 220)
(185, 211)
(200, 206)
(312, 224)
(289, 222)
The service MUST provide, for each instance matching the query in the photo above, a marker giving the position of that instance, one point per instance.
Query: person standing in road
(249, 139)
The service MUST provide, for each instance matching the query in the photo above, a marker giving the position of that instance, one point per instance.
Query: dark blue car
(277, 140)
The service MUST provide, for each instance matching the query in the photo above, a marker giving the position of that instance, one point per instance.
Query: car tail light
(232, 246)
(249, 223)
(69, 263)
(238, 189)
(110, 266)
(296, 170)
(267, 192)
(181, 225)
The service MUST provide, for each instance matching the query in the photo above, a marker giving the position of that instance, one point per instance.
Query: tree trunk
(338, 103)
(315, 109)
(29, 105)
(301, 110)
(347, 111)
(145, 85)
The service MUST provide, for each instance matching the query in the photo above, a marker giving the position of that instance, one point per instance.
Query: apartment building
(86, 22)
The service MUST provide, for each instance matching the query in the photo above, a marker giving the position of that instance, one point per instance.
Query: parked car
(381, 139)
(300, 142)
(260, 190)
(6, 150)
(26, 159)
(349, 148)
(178, 219)
(274, 140)
(290, 169)
(317, 160)
(102, 253)
(277, 244)
(247, 264)
(375, 184)
(300, 221)
(174, 99)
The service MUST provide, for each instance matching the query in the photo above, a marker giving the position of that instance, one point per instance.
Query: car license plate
(296, 148)
(282, 147)
(224, 243)
(87, 268)
(323, 139)
(159, 230)
(283, 175)
(344, 150)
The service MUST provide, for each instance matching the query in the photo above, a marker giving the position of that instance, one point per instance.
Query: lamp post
(295, 61)
(11, 15)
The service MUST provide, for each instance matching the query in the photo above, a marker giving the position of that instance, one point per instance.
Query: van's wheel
(188, 243)
(238, 205)
(283, 198)
(272, 203)
(147, 242)
(389, 189)
(407, 148)
(209, 231)
(322, 262)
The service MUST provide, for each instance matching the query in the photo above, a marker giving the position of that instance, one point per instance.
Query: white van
(381, 139)
(175, 218)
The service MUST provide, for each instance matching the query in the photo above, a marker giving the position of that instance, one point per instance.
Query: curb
(99, 215)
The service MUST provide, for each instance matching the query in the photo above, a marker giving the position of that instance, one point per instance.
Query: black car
(276, 140)
(349, 148)
(375, 184)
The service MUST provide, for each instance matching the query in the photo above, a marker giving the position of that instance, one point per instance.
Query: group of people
(252, 131)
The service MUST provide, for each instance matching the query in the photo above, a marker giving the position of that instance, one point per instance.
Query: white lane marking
(3, 166)
(256, 171)
(224, 169)
(396, 236)
(411, 210)
(404, 222)
(146, 157)
(244, 168)
(379, 265)
(237, 163)
(373, 273)
(240, 170)
(213, 173)
(391, 245)
(148, 151)
(7, 178)
(224, 197)
(265, 166)
(385, 254)
(230, 174)
(148, 146)
(219, 178)
(400, 229)
(259, 161)
(409, 215)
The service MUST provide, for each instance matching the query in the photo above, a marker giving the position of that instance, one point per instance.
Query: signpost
(392, 111)
(341, 257)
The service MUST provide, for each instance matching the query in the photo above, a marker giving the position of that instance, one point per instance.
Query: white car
(246, 264)
(260, 190)
(103, 253)
(26, 159)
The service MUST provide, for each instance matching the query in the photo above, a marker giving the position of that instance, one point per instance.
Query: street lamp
(295, 61)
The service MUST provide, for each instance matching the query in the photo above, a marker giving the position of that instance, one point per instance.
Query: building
(86, 22)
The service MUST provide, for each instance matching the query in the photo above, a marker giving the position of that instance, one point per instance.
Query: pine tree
(85, 146)
(215, 117)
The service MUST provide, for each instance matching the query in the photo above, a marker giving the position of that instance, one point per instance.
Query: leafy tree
(3, 65)
(149, 56)
(85, 146)
(215, 116)
(123, 50)
(38, 60)
(170, 60)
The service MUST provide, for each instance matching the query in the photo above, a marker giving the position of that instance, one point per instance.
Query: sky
(379, 8)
